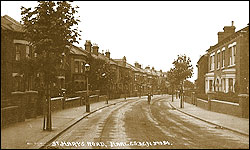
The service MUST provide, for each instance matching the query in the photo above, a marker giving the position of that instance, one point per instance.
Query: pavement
(233, 123)
(29, 134)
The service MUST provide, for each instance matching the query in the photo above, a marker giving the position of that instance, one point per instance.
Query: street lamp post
(87, 69)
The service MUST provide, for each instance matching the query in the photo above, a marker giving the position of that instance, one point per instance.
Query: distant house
(228, 62)
(75, 64)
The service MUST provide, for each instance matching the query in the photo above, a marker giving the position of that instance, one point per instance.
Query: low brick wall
(218, 106)
(103, 98)
(31, 105)
(72, 102)
(9, 115)
(18, 99)
(123, 95)
(188, 99)
(83, 95)
(226, 107)
(202, 103)
(93, 99)
(56, 103)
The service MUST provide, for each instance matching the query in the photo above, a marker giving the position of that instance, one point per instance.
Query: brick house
(228, 62)
(93, 52)
(14, 49)
(124, 73)
(202, 66)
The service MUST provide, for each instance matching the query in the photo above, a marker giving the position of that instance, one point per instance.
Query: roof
(120, 62)
(77, 50)
(201, 57)
(243, 30)
(133, 68)
(101, 56)
(8, 23)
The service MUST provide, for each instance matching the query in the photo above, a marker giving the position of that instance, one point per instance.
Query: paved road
(135, 124)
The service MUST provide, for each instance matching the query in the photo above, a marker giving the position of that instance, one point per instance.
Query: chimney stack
(147, 67)
(107, 53)
(137, 65)
(95, 49)
(228, 30)
(124, 61)
(88, 45)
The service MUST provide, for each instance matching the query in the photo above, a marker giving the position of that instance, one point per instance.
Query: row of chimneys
(139, 66)
(228, 30)
(95, 48)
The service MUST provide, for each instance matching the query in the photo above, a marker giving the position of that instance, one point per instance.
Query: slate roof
(8, 23)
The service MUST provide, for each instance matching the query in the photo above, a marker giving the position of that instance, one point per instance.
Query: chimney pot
(95, 49)
(88, 45)
(107, 54)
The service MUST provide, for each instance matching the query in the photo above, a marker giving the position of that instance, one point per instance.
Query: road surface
(134, 124)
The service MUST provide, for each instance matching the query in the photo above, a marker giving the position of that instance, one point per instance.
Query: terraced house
(22, 87)
(228, 62)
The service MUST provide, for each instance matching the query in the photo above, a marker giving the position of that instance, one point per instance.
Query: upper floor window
(22, 50)
(82, 67)
(19, 49)
(232, 53)
(223, 57)
(212, 61)
(18, 55)
(218, 59)
(27, 51)
(76, 66)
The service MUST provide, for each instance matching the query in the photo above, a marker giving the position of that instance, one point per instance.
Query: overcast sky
(151, 32)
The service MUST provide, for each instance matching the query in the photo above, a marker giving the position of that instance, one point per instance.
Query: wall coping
(77, 92)
(56, 98)
(102, 95)
(17, 92)
(31, 91)
(231, 103)
(202, 100)
(9, 107)
(73, 98)
(93, 96)
(244, 95)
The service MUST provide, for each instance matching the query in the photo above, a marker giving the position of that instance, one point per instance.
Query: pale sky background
(151, 32)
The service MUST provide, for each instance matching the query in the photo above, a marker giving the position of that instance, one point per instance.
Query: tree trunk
(49, 123)
(172, 94)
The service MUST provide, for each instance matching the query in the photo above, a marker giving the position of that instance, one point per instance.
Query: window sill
(232, 65)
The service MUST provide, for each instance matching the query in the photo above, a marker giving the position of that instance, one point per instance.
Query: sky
(151, 33)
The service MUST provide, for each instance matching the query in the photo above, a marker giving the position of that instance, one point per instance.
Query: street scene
(134, 81)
